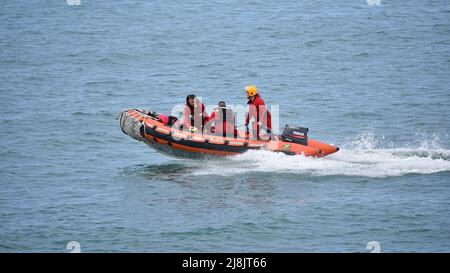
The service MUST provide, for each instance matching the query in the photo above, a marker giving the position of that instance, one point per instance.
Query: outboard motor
(295, 134)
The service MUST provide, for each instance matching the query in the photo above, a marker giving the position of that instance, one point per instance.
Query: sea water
(371, 77)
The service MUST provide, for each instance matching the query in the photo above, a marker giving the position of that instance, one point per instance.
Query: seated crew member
(222, 121)
(195, 115)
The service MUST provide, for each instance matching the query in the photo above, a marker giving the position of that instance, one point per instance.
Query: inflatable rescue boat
(145, 126)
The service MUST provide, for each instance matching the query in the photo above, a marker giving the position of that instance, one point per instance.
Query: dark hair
(222, 104)
(189, 97)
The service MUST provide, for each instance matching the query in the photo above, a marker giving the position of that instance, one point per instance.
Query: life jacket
(224, 121)
(163, 119)
(193, 117)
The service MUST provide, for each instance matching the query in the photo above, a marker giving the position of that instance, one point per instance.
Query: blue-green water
(373, 80)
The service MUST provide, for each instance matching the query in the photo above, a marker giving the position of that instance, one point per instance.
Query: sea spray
(361, 156)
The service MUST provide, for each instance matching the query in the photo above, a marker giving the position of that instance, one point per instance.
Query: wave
(360, 156)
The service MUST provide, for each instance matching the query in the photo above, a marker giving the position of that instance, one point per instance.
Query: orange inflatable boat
(145, 127)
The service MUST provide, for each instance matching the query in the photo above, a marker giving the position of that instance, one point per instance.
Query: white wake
(357, 157)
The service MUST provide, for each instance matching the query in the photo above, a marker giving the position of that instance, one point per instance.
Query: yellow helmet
(251, 90)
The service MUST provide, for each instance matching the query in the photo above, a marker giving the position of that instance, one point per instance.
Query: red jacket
(257, 109)
(195, 116)
(223, 121)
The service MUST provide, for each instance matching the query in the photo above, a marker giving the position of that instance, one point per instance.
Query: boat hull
(174, 142)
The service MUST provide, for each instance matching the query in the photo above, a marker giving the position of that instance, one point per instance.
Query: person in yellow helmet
(257, 110)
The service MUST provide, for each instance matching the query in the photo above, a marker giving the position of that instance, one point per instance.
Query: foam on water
(360, 156)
